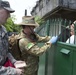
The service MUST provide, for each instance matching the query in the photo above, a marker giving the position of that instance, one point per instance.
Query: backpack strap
(18, 47)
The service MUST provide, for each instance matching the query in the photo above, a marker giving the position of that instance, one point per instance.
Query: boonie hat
(6, 5)
(29, 21)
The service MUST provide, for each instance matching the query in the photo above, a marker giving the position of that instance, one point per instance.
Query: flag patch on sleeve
(29, 45)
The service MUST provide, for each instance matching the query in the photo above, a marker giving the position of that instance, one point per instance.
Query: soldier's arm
(32, 48)
(36, 50)
(43, 39)
(11, 58)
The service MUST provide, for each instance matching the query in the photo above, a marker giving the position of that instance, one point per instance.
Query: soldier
(28, 41)
(5, 57)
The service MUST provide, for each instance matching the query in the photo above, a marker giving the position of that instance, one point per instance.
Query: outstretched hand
(53, 39)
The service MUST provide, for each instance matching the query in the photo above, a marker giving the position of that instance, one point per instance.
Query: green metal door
(65, 61)
(60, 59)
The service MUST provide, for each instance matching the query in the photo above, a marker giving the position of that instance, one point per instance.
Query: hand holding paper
(20, 64)
(53, 39)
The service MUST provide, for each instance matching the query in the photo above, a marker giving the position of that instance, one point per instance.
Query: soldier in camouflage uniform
(28, 41)
(5, 11)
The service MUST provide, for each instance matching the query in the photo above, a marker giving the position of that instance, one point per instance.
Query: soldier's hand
(19, 71)
(20, 64)
(53, 39)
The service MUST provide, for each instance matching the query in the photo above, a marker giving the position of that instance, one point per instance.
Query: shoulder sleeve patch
(29, 45)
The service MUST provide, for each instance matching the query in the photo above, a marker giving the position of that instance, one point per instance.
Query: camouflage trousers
(36, 73)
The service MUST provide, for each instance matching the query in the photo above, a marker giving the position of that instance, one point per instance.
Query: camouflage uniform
(4, 53)
(28, 48)
(30, 52)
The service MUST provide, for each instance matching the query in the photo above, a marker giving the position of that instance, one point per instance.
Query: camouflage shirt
(31, 51)
(4, 53)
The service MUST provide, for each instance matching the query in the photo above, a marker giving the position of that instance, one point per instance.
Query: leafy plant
(39, 20)
(10, 26)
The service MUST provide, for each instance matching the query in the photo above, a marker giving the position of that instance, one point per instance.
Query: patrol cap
(6, 5)
(29, 21)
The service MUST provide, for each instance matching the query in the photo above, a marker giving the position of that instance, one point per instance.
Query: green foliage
(10, 26)
(39, 20)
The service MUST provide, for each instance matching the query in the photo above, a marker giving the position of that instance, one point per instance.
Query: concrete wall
(49, 5)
